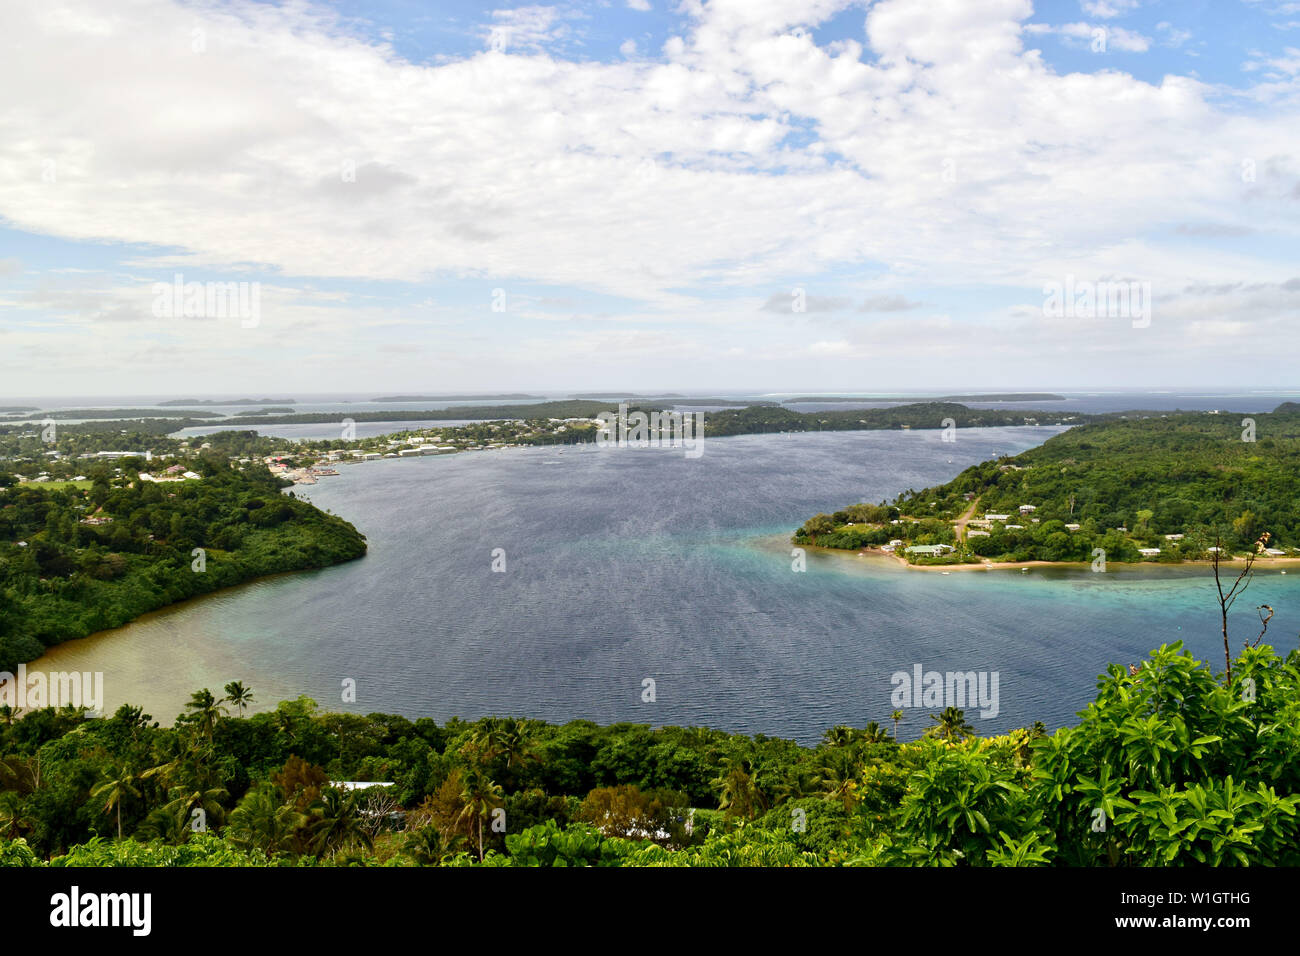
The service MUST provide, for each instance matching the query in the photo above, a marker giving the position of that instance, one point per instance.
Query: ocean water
(622, 565)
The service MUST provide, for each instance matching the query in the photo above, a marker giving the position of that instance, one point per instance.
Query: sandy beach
(1235, 563)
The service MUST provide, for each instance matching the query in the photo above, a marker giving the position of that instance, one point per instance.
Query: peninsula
(1164, 488)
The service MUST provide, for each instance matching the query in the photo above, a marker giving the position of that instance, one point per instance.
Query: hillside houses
(930, 550)
(171, 475)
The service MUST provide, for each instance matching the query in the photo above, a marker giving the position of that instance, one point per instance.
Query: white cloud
(1108, 9)
(1286, 65)
(528, 28)
(1098, 38)
(940, 148)
(1173, 36)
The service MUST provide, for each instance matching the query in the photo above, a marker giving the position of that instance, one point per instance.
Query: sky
(736, 195)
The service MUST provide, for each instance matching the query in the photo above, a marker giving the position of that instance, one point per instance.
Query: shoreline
(876, 554)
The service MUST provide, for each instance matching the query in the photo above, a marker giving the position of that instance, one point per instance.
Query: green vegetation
(746, 421)
(509, 397)
(117, 413)
(748, 418)
(75, 560)
(533, 411)
(660, 402)
(31, 450)
(1169, 766)
(996, 397)
(218, 401)
(1117, 485)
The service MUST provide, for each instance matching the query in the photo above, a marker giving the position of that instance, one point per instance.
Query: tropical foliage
(1171, 764)
(78, 560)
(1117, 485)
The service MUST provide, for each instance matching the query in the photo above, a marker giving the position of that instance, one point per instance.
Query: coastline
(876, 554)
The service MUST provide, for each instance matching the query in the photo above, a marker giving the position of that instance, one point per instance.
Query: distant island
(511, 397)
(1165, 488)
(680, 401)
(758, 419)
(233, 401)
(1000, 397)
(733, 418)
(558, 409)
(716, 402)
(122, 413)
(624, 395)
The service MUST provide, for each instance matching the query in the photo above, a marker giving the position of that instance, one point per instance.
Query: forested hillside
(1171, 765)
(77, 559)
(1175, 482)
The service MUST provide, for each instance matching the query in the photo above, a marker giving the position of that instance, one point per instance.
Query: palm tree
(839, 736)
(896, 717)
(427, 846)
(338, 822)
(116, 786)
(186, 799)
(950, 723)
(206, 709)
(740, 796)
(132, 717)
(516, 741)
(239, 695)
(838, 778)
(873, 733)
(261, 821)
(17, 773)
(164, 824)
(13, 815)
(173, 754)
(480, 797)
(795, 785)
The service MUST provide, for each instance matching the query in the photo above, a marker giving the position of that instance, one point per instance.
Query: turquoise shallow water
(628, 564)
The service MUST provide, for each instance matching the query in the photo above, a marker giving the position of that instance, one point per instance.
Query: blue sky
(734, 195)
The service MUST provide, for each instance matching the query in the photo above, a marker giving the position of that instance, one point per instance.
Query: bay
(623, 565)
